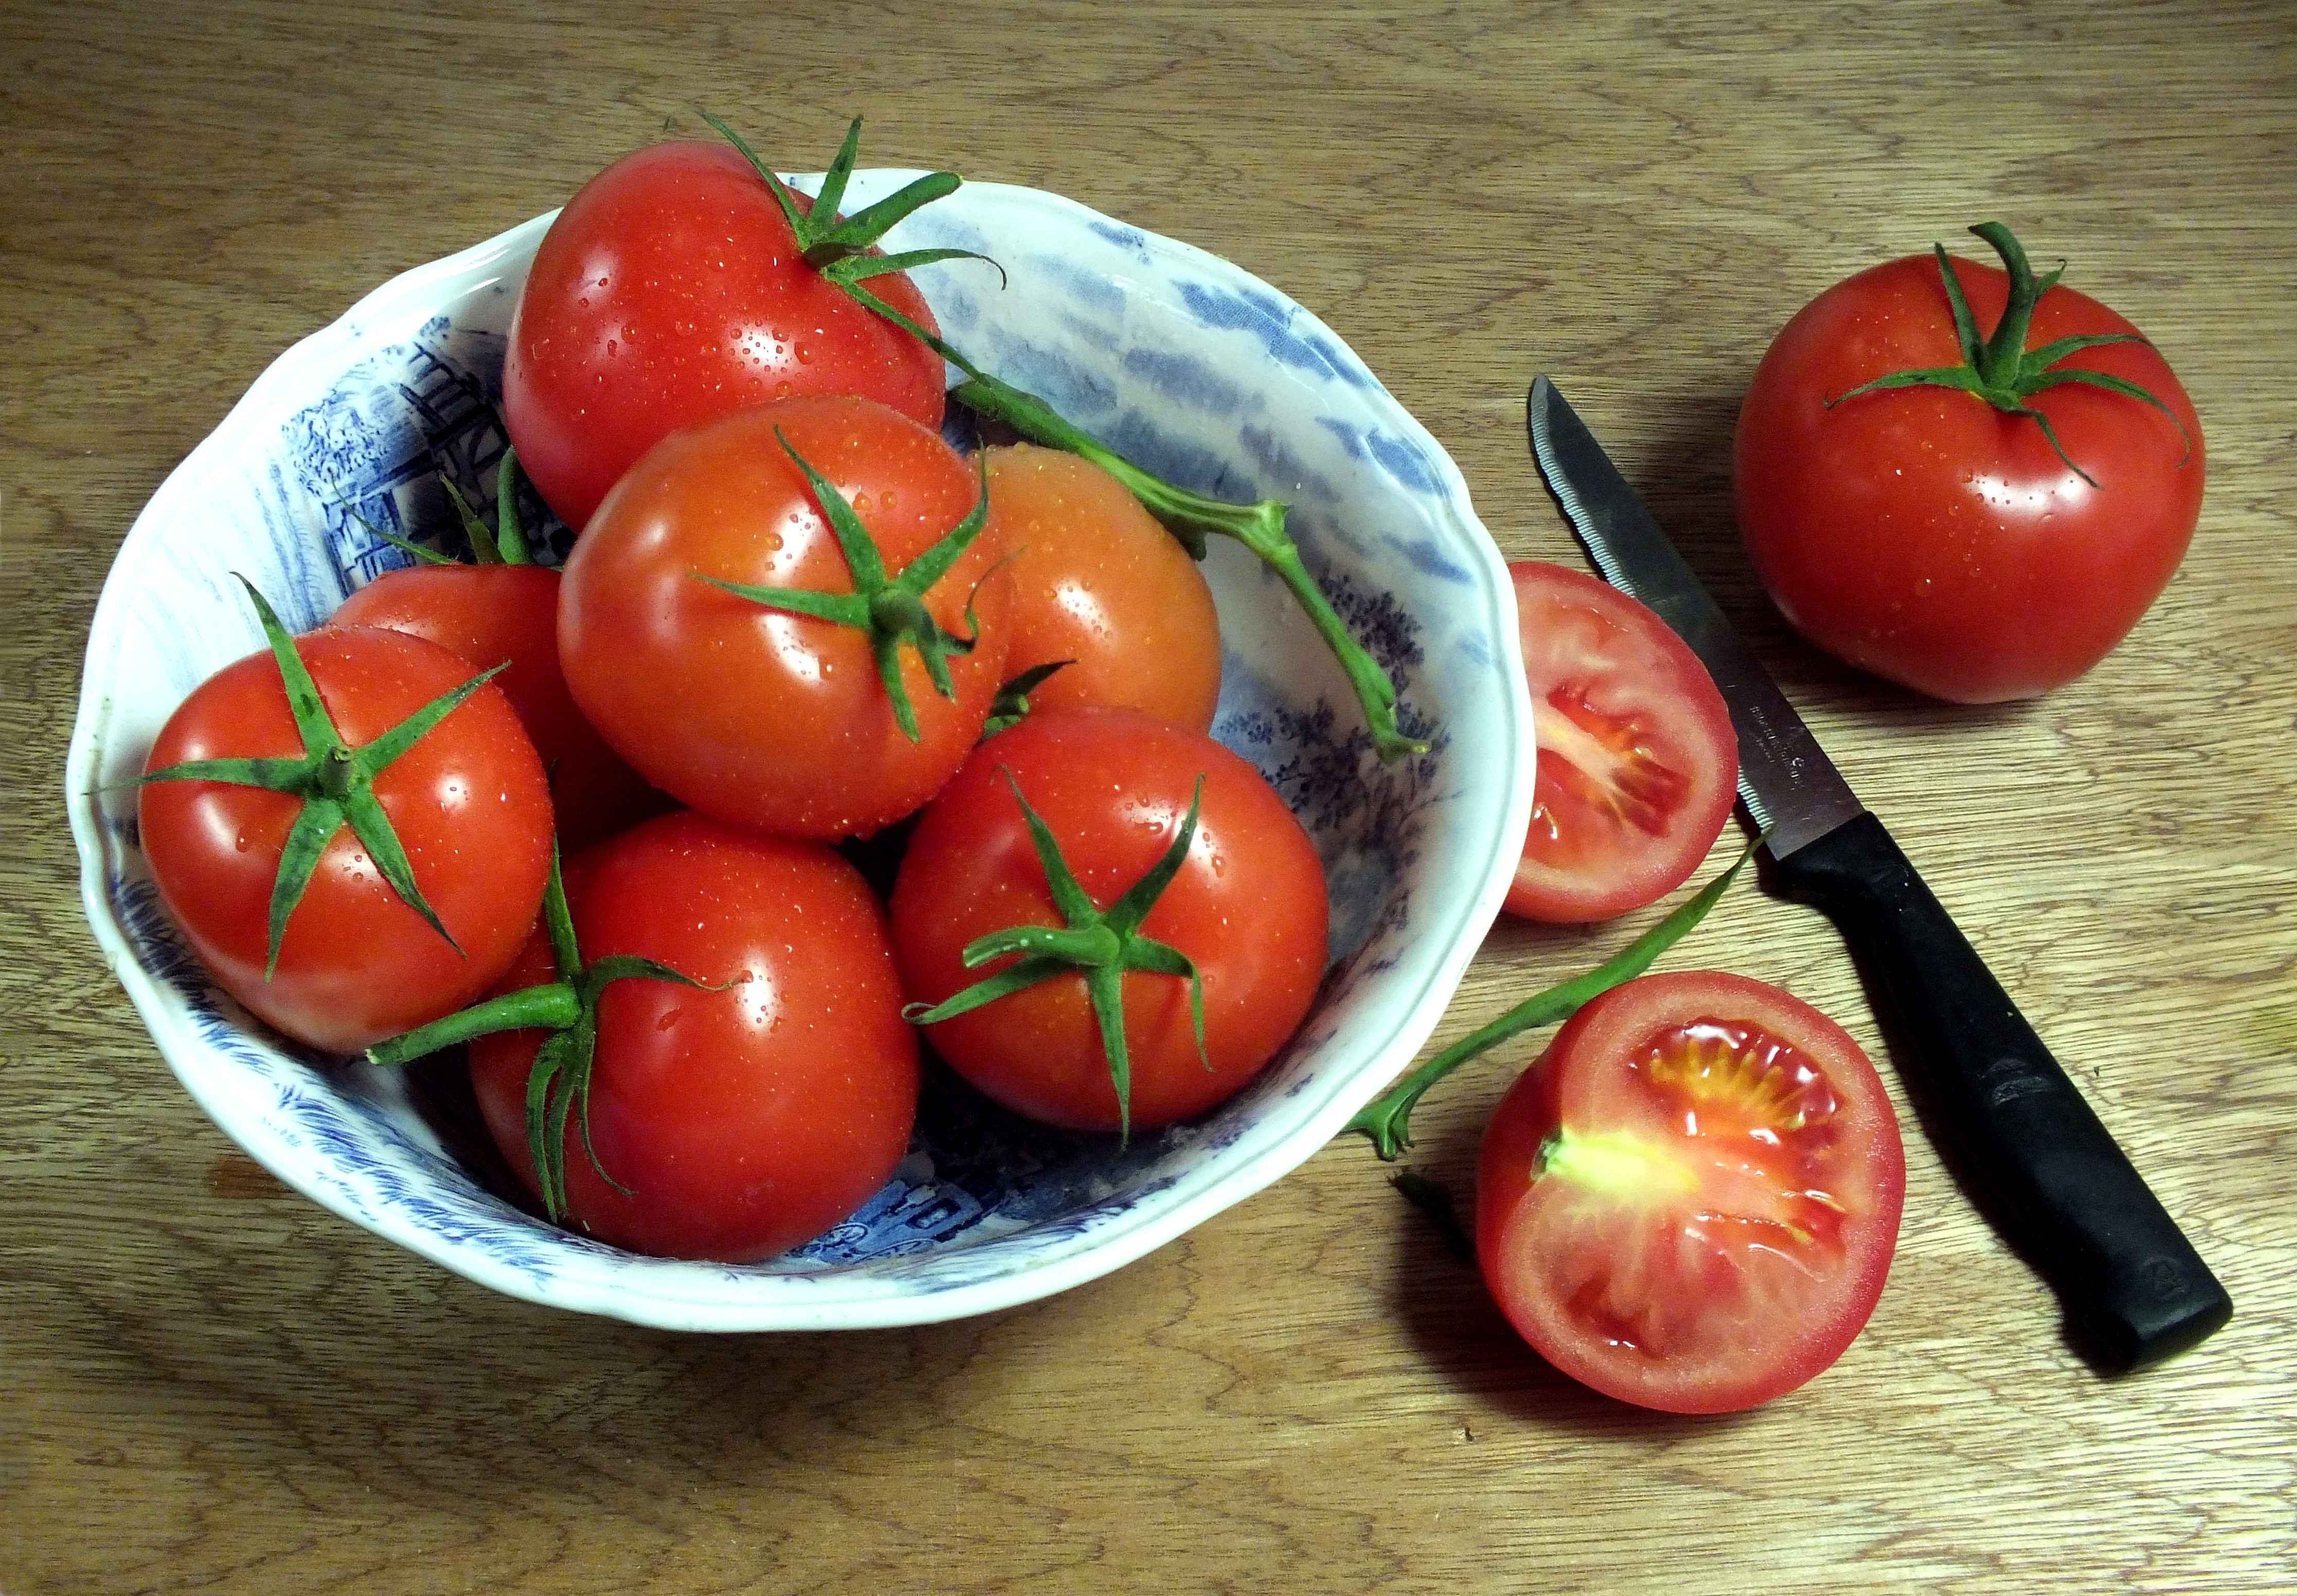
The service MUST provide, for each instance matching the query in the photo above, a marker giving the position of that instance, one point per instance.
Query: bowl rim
(682, 1296)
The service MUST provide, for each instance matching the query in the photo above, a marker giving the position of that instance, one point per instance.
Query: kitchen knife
(2046, 1172)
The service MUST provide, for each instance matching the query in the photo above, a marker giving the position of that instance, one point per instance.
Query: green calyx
(503, 544)
(335, 781)
(559, 1084)
(1010, 707)
(889, 610)
(1387, 1123)
(835, 250)
(1999, 368)
(1098, 946)
(840, 248)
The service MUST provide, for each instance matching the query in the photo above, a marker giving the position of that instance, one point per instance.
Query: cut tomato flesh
(1637, 760)
(1692, 1207)
(1605, 766)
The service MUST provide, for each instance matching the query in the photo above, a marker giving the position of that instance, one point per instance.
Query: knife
(2047, 1173)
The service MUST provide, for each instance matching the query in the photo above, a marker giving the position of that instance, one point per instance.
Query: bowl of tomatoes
(382, 429)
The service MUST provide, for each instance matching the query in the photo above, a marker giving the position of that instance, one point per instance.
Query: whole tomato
(1096, 583)
(1924, 533)
(1247, 909)
(744, 1116)
(507, 615)
(757, 714)
(671, 289)
(468, 802)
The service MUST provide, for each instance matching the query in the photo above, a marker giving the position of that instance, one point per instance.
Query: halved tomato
(1637, 760)
(1691, 1202)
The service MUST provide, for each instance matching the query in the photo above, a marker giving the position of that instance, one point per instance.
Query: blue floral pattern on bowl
(1178, 359)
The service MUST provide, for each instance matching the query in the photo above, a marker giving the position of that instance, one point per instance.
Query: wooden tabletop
(208, 1382)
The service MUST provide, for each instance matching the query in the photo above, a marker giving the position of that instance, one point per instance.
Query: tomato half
(1925, 536)
(744, 1121)
(1692, 1200)
(469, 803)
(1248, 905)
(508, 616)
(1098, 582)
(670, 290)
(1637, 761)
(756, 714)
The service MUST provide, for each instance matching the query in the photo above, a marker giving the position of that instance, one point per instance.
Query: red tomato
(1692, 1200)
(1637, 761)
(1098, 582)
(669, 290)
(497, 615)
(1924, 535)
(1114, 785)
(747, 1121)
(759, 715)
(469, 802)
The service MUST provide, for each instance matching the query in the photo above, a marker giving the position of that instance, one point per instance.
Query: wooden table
(206, 1382)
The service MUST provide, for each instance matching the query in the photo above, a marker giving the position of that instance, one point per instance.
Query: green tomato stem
(1190, 518)
(1386, 1122)
(554, 1007)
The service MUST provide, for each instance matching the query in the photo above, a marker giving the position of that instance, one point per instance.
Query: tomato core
(1604, 763)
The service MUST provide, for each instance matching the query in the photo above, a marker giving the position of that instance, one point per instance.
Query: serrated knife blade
(2042, 1167)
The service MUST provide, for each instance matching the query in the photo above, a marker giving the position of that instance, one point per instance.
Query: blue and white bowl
(1189, 366)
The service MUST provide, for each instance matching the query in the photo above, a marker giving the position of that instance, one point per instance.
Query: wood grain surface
(207, 1382)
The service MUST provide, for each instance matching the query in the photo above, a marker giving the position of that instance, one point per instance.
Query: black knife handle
(2057, 1186)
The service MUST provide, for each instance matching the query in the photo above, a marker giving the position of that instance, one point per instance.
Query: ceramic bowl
(1181, 361)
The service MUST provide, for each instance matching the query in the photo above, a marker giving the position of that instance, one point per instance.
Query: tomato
(1921, 534)
(753, 714)
(508, 616)
(1098, 582)
(1248, 905)
(1691, 1201)
(670, 290)
(741, 1122)
(469, 802)
(1637, 761)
